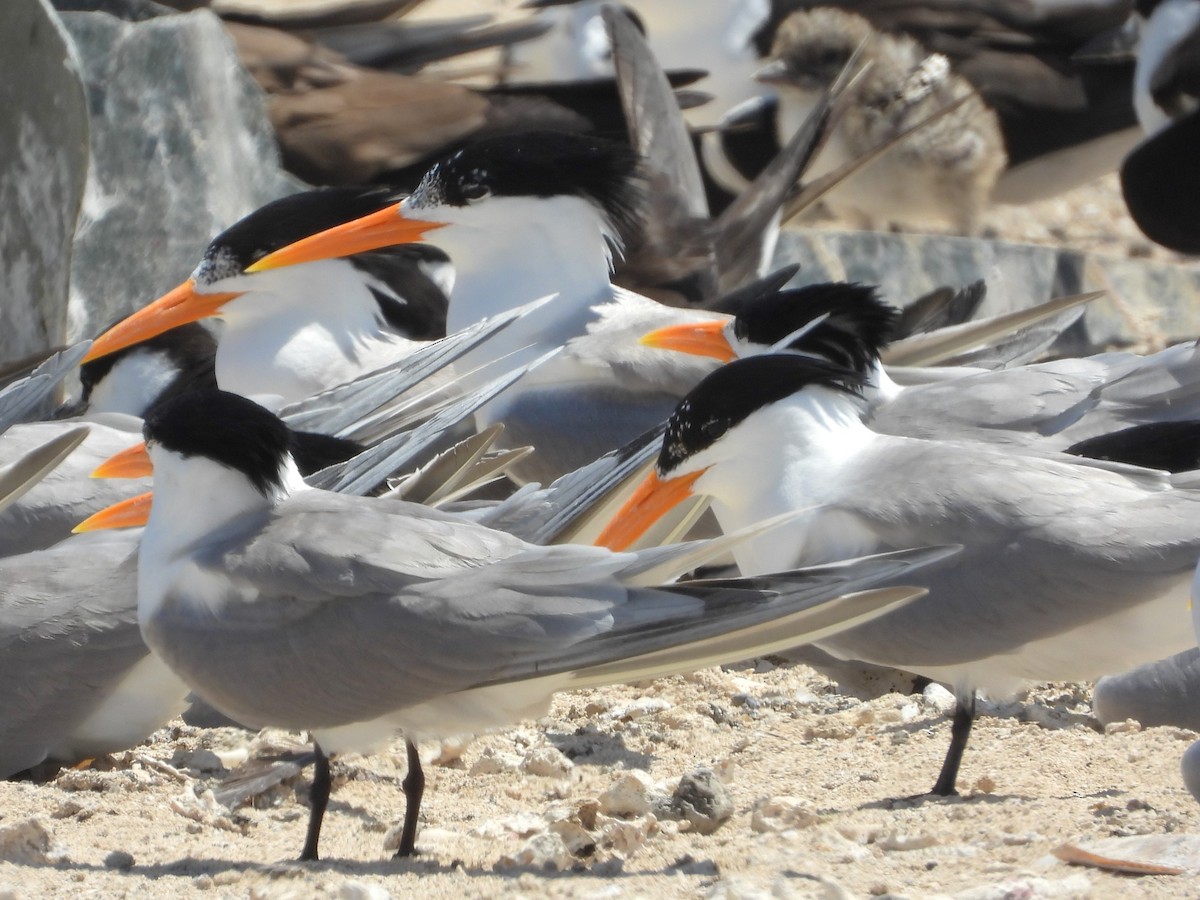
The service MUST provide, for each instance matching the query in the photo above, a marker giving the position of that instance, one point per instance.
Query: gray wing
(388, 611)
(33, 396)
(344, 409)
(68, 633)
(1047, 548)
(18, 476)
(1013, 405)
(956, 340)
(1162, 387)
(67, 495)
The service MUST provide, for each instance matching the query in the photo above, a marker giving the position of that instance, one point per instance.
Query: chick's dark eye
(714, 428)
(473, 189)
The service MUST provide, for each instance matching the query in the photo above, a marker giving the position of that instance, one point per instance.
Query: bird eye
(714, 428)
(472, 189)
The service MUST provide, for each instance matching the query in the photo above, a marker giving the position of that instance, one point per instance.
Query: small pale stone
(939, 698)
(27, 843)
(201, 760)
(843, 848)
(1070, 888)
(542, 851)
(626, 838)
(629, 795)
(71, 808)
(493, 762)
(904, 842)
(574, 836)
(120, 860)
(984, 785)
(782, 814)
(1129, 726)
(547, 762)
(448, 751)
(641, 707)
(359, 890)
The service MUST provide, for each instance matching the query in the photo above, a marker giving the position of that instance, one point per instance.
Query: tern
(292, 332)
(81, 682)
(1068, 572)
(1051, 405)
(521, 218)
(353, 618)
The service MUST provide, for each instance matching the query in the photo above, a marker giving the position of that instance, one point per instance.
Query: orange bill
(385, 228)
(698, 339)
(178, 307)
(649, 503)
(132, 462)
(127, 514)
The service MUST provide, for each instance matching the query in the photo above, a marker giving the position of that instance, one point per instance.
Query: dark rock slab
(1147, 301)
(181, 148)
(43, 165)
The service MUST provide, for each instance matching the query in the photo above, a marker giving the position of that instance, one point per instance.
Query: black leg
(960, 731)
(414, 788)
(319, 799)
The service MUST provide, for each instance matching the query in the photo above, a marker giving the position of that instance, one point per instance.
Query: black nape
(226, 428)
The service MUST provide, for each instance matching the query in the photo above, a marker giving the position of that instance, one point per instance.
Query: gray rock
(44, 149)
(1166, 692)
(120, 860)
(702, 801)
(181, 148)
(1154, 300)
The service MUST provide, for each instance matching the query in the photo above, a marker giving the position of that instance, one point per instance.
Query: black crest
(538, 164)
(858, 324)
(224, 427)
(285, 221)
(731, 393)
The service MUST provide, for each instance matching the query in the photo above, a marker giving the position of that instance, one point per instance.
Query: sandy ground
(580, 804)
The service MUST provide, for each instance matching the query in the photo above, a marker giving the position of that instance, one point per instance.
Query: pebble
(782, 814)
(1129, 726)
(702, 801)
(201, 760)
(494, 762)
(542, 851)
(360, 890)
(120, 860)
(939, 698)
(632, 794)
(1077, 885)
(903, 842)
(625, 838)
(448, 751)
(547, 762)
(643, 706)
(28, 843)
